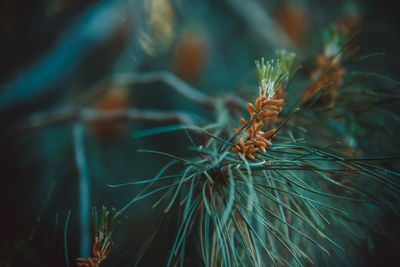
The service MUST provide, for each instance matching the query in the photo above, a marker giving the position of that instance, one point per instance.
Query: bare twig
(79, 114)
(66, 239)
(179, 86)
(173, 82)
(84, 187)
(168, 78)
(82, 114)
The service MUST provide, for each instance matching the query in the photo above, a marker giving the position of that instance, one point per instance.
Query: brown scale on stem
(255, 139)
(105, 224)
(272, 77)
(292, 63)
(329, 74)
(279, 94)
(100, 251)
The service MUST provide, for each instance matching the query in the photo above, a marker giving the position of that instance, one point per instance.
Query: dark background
(56, 53)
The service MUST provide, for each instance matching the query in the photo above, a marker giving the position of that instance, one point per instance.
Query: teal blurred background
(63, 55)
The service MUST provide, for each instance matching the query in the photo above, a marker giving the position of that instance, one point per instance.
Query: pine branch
(71, 115)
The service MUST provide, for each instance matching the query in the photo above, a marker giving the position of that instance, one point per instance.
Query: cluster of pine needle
(306, 196)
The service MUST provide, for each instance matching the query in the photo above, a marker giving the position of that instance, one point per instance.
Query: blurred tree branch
(81, 114)
(169, 79)
(74, 114)
(83, 188)
(174, 83)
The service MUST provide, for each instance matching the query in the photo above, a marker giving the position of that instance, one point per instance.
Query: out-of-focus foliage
(81, 81)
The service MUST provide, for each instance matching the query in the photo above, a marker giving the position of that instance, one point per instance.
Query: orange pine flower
(251, 138)
(190, 57)
(104, 227)
(329, 72)
(100, 252)
(294, 21)
(115, 99)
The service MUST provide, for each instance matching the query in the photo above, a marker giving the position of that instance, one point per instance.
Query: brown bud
(251, 108)
(274, 102)
(265, 141)
(258, 104)
(269, 134)
(258, 127)
(253, 150)
(250, 156)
